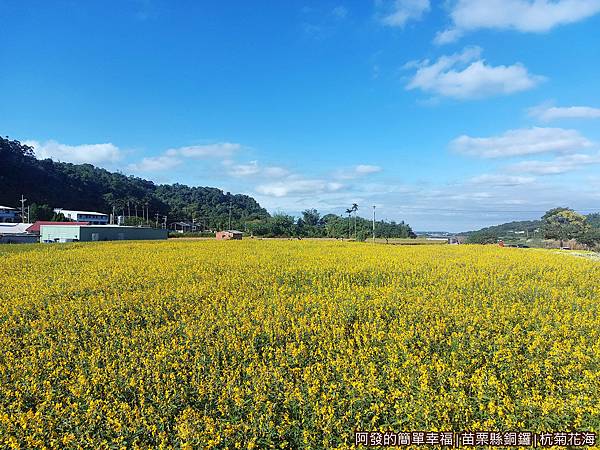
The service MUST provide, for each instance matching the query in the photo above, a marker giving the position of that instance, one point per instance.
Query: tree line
(312, 224)
(560, 224)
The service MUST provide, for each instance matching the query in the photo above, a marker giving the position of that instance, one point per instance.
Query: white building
(94, 218)
(8, 214)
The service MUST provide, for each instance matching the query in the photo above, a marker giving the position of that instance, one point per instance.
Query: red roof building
(35, 228)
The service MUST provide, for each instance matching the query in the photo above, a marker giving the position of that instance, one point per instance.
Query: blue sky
(449, 115)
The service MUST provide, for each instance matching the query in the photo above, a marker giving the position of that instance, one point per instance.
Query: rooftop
(13, 228)
(80, 212)
(86, 225)
(35, 228)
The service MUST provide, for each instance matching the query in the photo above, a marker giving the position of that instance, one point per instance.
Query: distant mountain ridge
(525, 226)
(509, 227)
(86, 187)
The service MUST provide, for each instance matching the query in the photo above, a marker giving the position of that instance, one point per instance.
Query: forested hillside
(559, 224)
(527, 226)
(83, 186)
(510, 227)
(47, 184)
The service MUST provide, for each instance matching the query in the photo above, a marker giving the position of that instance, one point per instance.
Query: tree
(14, 151)
(354, 209)
(282, 225)
(362, 235)
(593, 220)
(41, 212)
(482, 237)
(563, 224)
(311, 217)
(590, 238)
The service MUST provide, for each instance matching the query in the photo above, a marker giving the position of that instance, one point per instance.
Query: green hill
(519, 230)
(517, 227)
(86, 187)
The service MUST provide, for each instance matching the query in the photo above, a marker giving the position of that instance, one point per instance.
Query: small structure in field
(228, 234)
(183, 227)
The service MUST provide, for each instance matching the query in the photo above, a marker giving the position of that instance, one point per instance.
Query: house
(94, 218)
(8, 214)
(183, 227)
(229, 234)
(92, 233)
(35, 228)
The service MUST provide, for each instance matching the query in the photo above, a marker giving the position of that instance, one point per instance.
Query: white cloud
(244, 170)
(489, 199)
(218, 150)
(527, 141)
(155, 163)
(275, 172)
(298, 185)
(85, 153)
(499, 180)
(400, 12)
(253, 168)
(562, 164)
(174, 157)
(467, 76)
(548, 113)
(536, 16)
(357, 171)
(448, 36)
(365, 169)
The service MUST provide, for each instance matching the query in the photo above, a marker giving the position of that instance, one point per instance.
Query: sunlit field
(291, 344)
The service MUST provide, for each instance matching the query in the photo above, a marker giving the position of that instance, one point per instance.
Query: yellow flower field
(291, 344)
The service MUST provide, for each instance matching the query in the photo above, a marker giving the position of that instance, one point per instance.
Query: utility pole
(373, 223)
(157, 220)
(23, 200)
(230, 205)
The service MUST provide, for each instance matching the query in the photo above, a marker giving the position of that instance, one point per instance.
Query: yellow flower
(290, 344)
